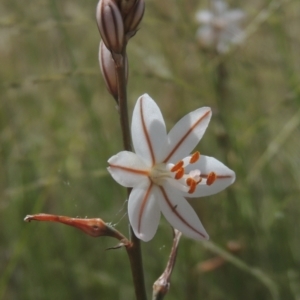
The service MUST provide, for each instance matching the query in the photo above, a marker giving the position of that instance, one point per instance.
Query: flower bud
(108, 70)
(134, 17)
(94, 227)
(126, 5)
(110, 25)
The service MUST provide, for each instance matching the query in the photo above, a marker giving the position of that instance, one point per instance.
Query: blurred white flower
(220, 26)
(162, 172)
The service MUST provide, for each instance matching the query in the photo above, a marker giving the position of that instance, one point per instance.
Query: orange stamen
(192, 187)
(179, 173)
(211, 178)
(195, 157)
(189, 181)
(177, 167)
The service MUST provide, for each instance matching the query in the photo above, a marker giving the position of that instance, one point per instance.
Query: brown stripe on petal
(146, 134)
(105, 29)
(140, 172)
(110, 24)
(186, 135)
(118, 35)
(134, 16)
(108, 70)
(217, 176)
(144, 202)
(175, 211)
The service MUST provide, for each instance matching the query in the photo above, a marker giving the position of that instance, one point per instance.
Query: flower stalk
(120, 67)
(117, 22)
(162, 285)
(134, 252)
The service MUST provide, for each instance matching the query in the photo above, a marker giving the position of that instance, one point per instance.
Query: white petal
(148, 130)
(179, 212)
(143, 211)
(128, 169)
(187, 133)
(219, 7)
(204, 16)
(206, 35)
(206, 164)
(234, 34)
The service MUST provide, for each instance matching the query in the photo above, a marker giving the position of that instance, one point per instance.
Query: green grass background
(59, 125)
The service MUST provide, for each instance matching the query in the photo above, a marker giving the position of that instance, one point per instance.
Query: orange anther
(177, 167)
(192, 187)
(211, 178)
(189, 181)
(195, 157)
(179, 173)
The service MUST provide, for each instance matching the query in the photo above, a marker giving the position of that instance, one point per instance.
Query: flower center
(177, 175)
(219, 24)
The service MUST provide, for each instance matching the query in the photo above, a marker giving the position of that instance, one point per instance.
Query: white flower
(220, 26)
(162, 172)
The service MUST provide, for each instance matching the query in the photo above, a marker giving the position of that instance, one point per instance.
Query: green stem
(134, 251)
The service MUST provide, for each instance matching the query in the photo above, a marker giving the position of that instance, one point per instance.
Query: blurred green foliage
(58, 127)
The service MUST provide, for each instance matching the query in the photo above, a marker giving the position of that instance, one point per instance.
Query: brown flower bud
(134, 17)
(110, 25)
(125, 6)
(108, 70)
(93, 227)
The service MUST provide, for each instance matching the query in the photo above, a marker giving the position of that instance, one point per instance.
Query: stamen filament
(199, 180)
